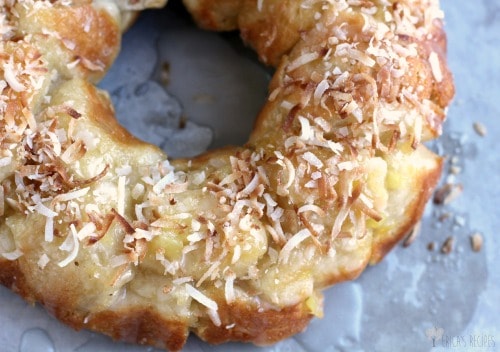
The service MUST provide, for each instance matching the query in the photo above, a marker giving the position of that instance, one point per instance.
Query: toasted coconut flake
(276, 214)
(293, 243)
(71, 195)
(92, 66)
(182, 280)
(163, 182)
(137, 191)
(251, 186)
(72, 245)
(291, 173)
(11, 79)
(339, 220)
(435, 66)
(313, 208)
(201, 298)
(213, 268)
(277, 238)
(6, 161)
(43, 210)
(43, 261)
(307, 132)
(361, 57)
(320, 90)
(49, 229)
(195, 237)
(476, 241)
(312, 159)
(120, 197)
(346, 165)
(311, 184)
(321, 122)
(229, 287)
(236, 254)
(271, 203)
(74, 152)
(87, 231)
(214, 317)
(122, 222)
(302, 60)
(365, 204)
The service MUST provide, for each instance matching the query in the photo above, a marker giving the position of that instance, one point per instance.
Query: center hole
(184, 89)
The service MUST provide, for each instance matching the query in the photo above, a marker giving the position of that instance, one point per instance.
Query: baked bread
(237, 244)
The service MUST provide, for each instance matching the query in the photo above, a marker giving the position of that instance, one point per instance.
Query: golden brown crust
(426, 183)
(140, 325)
(83, 36)
(13, 278)
(246, 323)
(215, 14)
(444, 90)
(132, 324)
(269, 30)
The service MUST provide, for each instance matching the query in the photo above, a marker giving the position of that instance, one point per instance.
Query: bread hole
(188, 90)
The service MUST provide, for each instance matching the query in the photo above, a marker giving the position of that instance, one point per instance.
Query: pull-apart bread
(237, 244)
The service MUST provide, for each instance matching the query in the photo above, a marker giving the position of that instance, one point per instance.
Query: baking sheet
(416, 299)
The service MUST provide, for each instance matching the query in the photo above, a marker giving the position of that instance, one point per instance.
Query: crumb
(480, 129)
(447, 193)
(431, 246)
(443, 217)
(447, 246)
(455, 170)
(476, 241)
(460, 221)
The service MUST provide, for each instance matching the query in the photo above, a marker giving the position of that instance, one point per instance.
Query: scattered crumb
(460, 221)
(455, 170)
(443, 217)
(480, 129)
(447, 246)
(412, 235)
(455, 159)
(431, 246)
(447, 193)
(476, 241)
